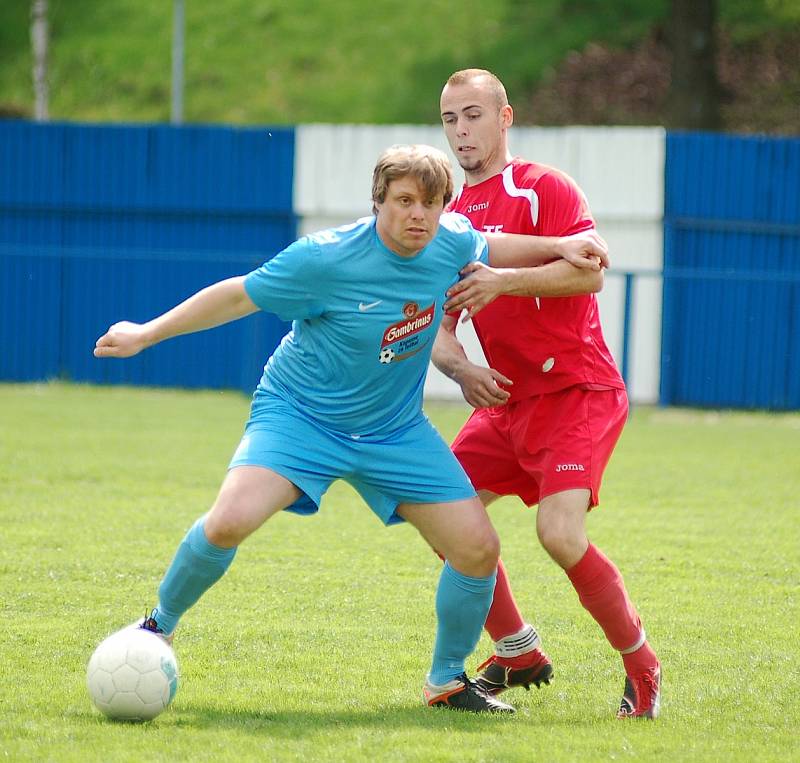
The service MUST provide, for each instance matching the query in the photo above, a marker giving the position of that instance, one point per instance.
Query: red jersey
(543, 344)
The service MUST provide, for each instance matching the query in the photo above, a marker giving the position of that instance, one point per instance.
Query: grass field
(315, 644)
(262, 61)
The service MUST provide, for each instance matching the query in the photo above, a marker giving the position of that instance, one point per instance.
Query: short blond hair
(428, 165)
(492, 81)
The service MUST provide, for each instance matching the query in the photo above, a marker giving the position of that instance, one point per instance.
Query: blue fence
(731, 316)
(98, 224)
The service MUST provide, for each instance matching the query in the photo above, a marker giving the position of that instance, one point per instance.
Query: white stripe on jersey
(528, 193)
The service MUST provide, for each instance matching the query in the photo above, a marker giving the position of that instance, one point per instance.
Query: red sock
(641, 661)
(601, 591)
(504, 618)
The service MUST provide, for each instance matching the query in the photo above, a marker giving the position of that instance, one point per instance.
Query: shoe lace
(649, 680)
(643, 688)
(149, 624)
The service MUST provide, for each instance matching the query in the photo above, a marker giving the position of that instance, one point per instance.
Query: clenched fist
(122, 340)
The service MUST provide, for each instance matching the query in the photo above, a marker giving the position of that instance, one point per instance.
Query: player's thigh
(459, 530)
(249, 496)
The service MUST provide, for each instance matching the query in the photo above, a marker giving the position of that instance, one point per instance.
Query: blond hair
(492, 82)
(428, 165)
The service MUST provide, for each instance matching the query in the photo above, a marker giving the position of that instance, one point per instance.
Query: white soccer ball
(132, 675)
(386, 355)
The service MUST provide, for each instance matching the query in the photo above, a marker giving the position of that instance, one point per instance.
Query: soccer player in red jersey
(552, 405)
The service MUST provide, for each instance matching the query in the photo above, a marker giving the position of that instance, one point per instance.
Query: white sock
(519, 643)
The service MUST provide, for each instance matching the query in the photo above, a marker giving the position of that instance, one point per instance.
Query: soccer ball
(132, 675)
(387, 355)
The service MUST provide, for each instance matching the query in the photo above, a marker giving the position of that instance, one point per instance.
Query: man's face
(475, 126)
(408, 218)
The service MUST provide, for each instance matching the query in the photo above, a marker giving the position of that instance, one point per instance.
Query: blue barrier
(101, 223)
(63, 299)
(731, 318)
(98, 223)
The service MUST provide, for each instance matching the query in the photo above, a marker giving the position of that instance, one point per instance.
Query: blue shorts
(414, 465)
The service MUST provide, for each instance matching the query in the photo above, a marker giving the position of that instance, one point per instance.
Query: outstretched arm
(479, 385)
(219, 303)
(586, 249)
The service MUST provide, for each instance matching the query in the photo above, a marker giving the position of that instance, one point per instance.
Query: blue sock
(462, 604)
(197, 565)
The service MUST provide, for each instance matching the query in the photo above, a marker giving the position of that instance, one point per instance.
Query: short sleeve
(292, 283)
(481, 250)
(472, 242)
(563, 208)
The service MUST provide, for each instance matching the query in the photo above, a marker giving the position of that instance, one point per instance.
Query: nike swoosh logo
(363, 308)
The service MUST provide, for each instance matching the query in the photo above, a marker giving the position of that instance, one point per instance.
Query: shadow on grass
(288, 722)
(293, 723)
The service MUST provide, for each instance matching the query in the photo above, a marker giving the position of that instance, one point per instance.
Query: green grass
(315, 644)
(262, 61)
(246, 61)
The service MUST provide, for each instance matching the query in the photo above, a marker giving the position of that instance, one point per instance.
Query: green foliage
(541, 34)
(315, 644)
(263, 61)
(246, 62)
(747, 19)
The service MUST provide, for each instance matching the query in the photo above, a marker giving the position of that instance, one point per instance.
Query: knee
(563, 542)
(490, 551)
(223, 526)
(221, 533)
(552, 536)
(479, 556)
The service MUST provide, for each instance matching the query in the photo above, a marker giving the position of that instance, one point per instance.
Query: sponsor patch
(408, 327)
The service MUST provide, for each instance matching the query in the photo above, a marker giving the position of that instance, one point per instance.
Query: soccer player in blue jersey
(366, 302)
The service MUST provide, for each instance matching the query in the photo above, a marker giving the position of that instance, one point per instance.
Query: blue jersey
(364, 322)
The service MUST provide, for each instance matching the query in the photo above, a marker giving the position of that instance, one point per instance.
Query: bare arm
(481, 284)
(219, 303)
(479, 385)
(586, 249)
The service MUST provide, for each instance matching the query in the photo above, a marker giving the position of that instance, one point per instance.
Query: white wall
(621, 170)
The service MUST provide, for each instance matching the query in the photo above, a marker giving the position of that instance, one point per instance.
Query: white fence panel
(621, 170)
(333, 168)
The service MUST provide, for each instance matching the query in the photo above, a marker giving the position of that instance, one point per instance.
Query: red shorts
(543, 445)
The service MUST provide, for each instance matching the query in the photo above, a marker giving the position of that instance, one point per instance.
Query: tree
(695, 92)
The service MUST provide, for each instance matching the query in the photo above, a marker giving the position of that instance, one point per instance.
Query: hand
(480, 388)
(586, 249)
(480, 286)
(122, 340)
